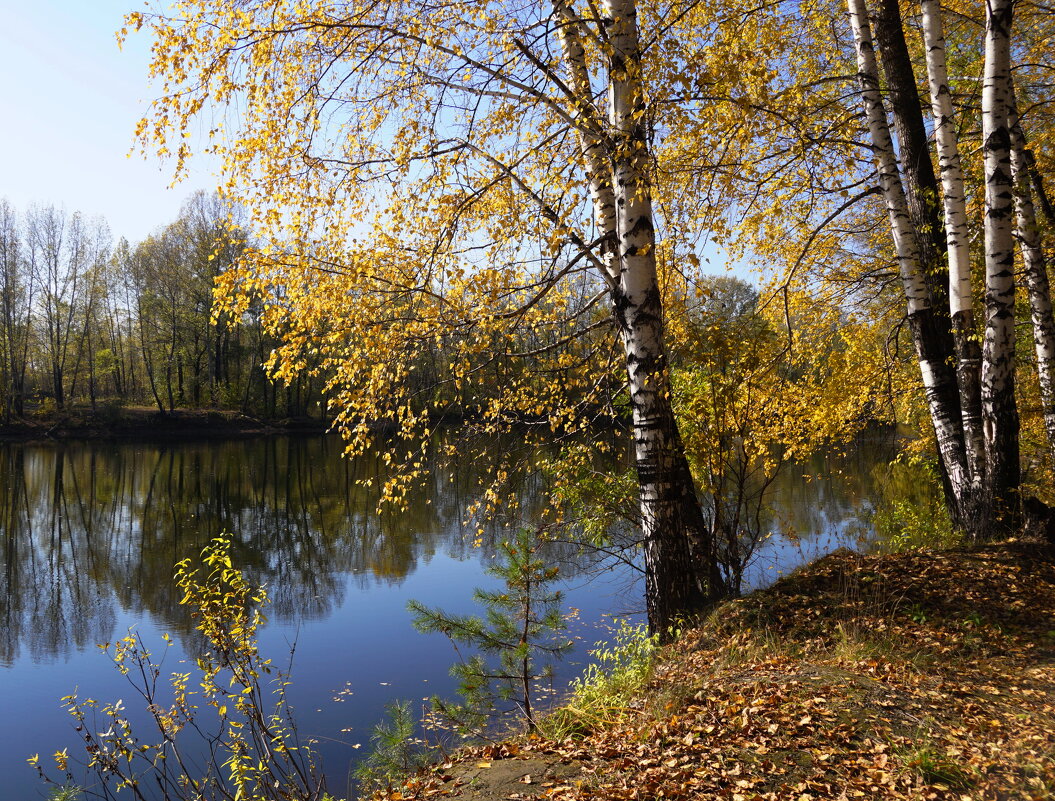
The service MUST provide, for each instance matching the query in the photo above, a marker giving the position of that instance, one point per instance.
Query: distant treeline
(85, 320)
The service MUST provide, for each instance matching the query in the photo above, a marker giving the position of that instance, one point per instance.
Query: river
(91, 530)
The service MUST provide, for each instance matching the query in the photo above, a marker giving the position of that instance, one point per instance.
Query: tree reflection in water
(91, 528)
(90, 533)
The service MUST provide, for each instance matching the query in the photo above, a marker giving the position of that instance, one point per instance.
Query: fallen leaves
(826, 687)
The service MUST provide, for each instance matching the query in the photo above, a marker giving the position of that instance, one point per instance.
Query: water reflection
(90, 532)
(819, 506)
(88, 529)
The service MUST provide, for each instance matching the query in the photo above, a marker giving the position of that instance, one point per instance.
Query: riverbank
(145, 423)
(925, 675)
(120, 422)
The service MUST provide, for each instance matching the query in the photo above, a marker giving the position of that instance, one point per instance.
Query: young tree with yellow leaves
(755, 398)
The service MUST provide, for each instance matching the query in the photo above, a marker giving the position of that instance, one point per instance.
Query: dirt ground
(928, 675)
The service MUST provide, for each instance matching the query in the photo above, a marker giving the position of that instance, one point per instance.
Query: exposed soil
(928, 675)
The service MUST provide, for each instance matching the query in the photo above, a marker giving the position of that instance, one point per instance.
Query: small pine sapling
(522, 623)
(396, 752)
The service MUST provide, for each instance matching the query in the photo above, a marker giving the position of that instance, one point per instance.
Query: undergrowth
(218, 728)
(934, 766)
(609, 687)
(396, 751)
(911, 513)
(923, 674)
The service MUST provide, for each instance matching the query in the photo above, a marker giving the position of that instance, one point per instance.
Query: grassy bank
(926, 675)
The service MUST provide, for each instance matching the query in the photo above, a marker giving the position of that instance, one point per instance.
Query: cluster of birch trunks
(970, 388)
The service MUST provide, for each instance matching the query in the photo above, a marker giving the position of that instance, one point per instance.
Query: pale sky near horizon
(69, 101)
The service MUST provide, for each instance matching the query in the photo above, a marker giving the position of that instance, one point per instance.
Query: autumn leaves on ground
(924, 675)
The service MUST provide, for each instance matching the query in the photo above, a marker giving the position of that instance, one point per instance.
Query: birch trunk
(939, 383)
(999, 411)
(1037, 181)
(920, 184)
(1036, 273)
(957, 239)
(681, 574)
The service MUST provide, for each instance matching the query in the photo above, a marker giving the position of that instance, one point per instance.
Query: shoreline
(923, 675)
(117, 423)
(136, 423)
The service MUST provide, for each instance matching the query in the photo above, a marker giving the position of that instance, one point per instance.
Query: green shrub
(609, 686)
(910, 511)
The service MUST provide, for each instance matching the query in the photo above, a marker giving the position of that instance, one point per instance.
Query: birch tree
(999, 408)
(938, 382)
(790, 167)
(1036, 274)
(439, 177)
(995, 482)
(957, 238)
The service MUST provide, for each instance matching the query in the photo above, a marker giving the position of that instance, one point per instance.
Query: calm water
(90, 532)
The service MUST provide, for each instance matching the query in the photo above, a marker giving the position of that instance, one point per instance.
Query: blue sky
(69, 100)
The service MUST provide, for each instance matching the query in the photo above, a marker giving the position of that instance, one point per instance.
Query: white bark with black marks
(1036, 272)
(999, 411)
(905, 244)
(947, 425)
(957, 232)
(588, 129)
(957, 238)
(680, 570)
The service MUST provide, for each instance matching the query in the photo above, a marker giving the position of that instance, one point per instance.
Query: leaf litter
(924, 675)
